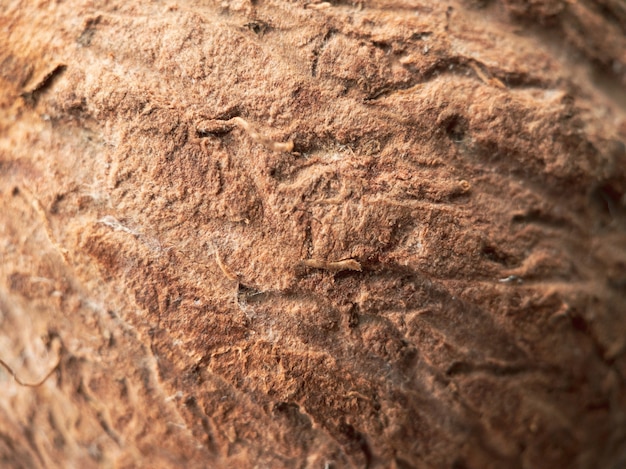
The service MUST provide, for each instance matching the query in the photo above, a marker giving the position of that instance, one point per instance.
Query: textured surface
(467, 157)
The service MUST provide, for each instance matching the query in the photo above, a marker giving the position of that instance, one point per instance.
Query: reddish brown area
(467, 156)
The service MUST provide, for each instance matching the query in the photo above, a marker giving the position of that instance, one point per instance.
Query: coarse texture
(290, 234)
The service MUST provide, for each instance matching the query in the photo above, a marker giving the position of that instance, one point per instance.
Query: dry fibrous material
(313, 234)
(333, 266)
(27, 384)
(257, 137)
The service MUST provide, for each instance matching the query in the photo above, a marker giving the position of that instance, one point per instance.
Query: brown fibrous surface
(302, 234)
